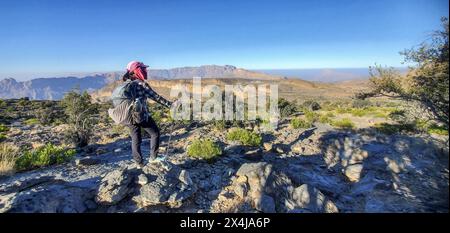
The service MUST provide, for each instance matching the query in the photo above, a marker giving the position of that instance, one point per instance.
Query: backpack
(127, 109)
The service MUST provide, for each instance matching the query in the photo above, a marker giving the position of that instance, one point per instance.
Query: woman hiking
(137, 74)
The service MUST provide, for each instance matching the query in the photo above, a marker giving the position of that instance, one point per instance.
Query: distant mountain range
(324, 75)
(54, 88)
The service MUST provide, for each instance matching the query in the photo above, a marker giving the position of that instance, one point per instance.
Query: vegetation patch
(3, 129)
(245, 137)
(44, 156)
(344, 123)
(82, 116)
(31, 121)
(298, 123)
(204, 149)
(286, 108)
(8, 157)
(389, 129)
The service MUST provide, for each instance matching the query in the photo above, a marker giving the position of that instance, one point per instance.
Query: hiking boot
(140, 165)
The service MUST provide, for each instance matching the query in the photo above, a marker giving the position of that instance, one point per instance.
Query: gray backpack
(128, 109)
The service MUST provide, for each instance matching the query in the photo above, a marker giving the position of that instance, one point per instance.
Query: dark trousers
(152, 130)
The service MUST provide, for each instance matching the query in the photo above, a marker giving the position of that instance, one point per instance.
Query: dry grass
(8, 157)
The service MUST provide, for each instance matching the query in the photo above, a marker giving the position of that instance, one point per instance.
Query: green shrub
(344, 123)
(437, 129)
(204, 149)
(219, 125)
(286, 108)
(311, 116)
(31, 121)
(3, 128)
(359, 103)
(44, 156)
(359, 112)
(325, 118)
(2, 137)
(245, 137)
(311, 105)
(157, 116)
(8, 157)
(81, 117)
(298, 123)
(2, 103)
(397, 115)
(119, 130)
(47, 114)
(388, 128)
(341, 110)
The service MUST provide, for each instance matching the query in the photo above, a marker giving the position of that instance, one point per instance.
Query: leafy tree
(427, 81)
(81, 116)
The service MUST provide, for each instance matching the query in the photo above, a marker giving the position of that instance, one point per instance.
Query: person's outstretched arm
(147, 91)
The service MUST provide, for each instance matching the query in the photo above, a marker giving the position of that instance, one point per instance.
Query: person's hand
(175, 104)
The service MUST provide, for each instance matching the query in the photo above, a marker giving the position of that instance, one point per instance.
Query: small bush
(325, 118)
(343, 124)
(204, 149)
(2, 103)
(311, 105)
(389, 129)
(8, 157)
(397, 115)
(245, 137)
(82, 116)
(219, 125)
(3, 128)
(359, 103)
(298, 123)
(119, 130)
(31, 121)
(436, 129)
(286, 108)
(311, 116)
(44, 156)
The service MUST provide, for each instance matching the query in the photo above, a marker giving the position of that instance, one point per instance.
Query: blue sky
(85, 35)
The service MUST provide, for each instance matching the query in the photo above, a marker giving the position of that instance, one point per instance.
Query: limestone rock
(168, 187)
(310, 198)
(115, 186)
(353, 172)
(87, 161)
(267, 146)
(265, 204)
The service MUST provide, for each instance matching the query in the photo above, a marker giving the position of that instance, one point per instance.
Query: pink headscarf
(138, 68)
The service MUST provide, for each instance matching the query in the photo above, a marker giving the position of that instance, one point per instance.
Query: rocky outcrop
(165, 187)
(45, 195)
(270, 190)
(155, 184)
(115, 186)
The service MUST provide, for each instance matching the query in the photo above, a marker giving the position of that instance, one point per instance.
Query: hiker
(136, 89)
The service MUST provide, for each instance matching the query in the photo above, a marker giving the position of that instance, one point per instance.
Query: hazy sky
(84, 35)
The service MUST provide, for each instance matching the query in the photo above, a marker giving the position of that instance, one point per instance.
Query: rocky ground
(296, 170)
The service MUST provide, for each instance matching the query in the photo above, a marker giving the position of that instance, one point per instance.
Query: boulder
(265, 204)
(167, 187)
(142, 179)
(114, 187)
(87, 161)
(267, 146)
(310, 198)
(54, 196)
(353, 172)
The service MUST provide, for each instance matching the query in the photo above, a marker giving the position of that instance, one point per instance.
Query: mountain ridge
(54, 88)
